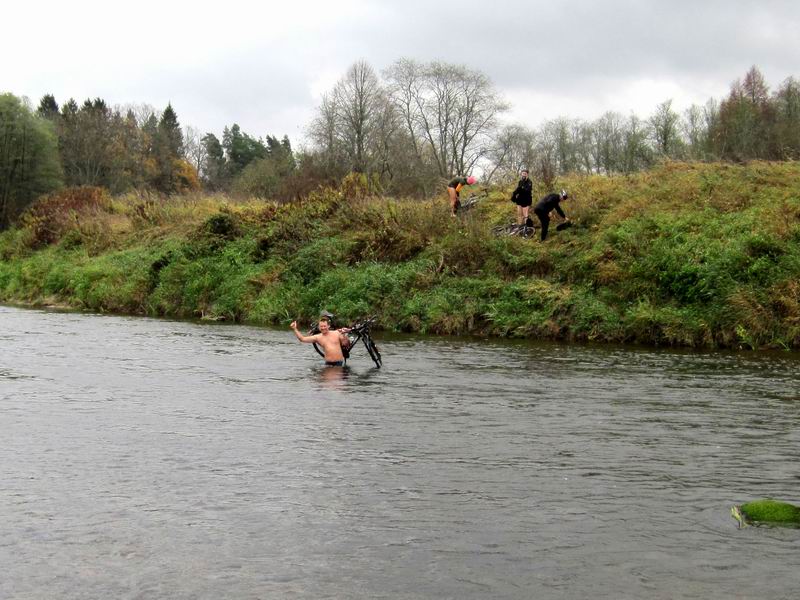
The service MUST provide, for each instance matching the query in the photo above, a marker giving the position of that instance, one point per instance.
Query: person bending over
(547, 204)
(330, 340)
(453, 189)
(523, 197)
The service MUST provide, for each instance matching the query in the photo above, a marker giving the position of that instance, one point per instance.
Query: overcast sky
(264, 65)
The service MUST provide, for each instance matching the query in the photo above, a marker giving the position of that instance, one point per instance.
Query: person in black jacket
(523, 197)
(548, 204)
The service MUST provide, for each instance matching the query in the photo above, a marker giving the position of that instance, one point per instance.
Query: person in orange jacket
(454, 187)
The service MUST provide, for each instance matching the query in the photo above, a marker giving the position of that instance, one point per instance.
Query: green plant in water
(767, 511)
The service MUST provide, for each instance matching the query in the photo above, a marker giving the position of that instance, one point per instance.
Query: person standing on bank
(523, 197)
(548, 204)
(454, 187)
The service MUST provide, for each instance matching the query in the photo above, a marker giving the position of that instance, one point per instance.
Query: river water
(149, 458)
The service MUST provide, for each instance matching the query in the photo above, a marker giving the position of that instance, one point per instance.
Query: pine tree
(168, 152)
(170, 131)
(213, 171)
(48, 107)
(241, 149)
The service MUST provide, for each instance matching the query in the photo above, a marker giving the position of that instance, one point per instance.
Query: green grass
(700, 255)
(768, 511)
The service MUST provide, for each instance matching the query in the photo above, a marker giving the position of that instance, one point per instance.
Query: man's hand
(293, 325)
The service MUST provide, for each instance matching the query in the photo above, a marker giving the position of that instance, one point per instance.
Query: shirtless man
(330, 340)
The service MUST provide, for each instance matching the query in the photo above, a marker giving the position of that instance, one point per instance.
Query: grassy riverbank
(702, 255)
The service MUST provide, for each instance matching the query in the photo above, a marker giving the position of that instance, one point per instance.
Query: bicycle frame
(471, 201)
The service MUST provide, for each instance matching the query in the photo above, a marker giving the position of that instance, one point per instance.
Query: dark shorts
(523, 203)
(334, 363)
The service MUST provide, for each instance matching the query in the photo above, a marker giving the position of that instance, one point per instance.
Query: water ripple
(163, 459)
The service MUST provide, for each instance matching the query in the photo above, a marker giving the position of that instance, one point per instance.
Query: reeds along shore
(699, 255)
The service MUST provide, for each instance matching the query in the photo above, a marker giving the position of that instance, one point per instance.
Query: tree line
(417, 123)
(406, 129)
(137, 148)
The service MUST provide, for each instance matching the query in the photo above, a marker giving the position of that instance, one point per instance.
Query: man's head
(471, 180)
(564, 195)
(524, 173)
(324, 324)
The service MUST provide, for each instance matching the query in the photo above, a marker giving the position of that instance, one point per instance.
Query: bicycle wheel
(503, 230)
(374, 353)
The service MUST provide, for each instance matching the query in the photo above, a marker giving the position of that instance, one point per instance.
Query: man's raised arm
(308, 339)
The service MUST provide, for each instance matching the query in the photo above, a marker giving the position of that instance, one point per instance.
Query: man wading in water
(330, 340)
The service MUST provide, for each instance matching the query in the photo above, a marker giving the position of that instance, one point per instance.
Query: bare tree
(665, 128)
(566, 158)
(437, 113)
(357, 100)
(384, 147)
(323, 132)
(513, 150)
(405, 88)
(739, 130)
(449, 111)
(547, 153)
(787, 106)
(608, 141)
(475, 119)
(194, 148)
(695, 131)
(754, 87)
(142, 112)
(636, 152)
(582, 140)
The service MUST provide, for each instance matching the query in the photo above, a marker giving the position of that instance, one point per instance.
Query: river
(145, 458)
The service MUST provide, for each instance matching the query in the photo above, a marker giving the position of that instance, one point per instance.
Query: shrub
(222, 225)
(314, 259)
(696, 254)
(49, 218)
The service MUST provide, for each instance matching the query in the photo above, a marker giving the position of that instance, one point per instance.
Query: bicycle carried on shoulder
(359, 331)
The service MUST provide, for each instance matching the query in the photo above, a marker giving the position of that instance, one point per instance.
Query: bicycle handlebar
(357, 327)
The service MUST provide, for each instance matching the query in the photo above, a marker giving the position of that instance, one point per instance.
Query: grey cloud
(575, 50)
(523, 44)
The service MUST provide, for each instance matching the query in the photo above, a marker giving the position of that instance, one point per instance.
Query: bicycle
(515, 229)
(359, 331)
(470, 202)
